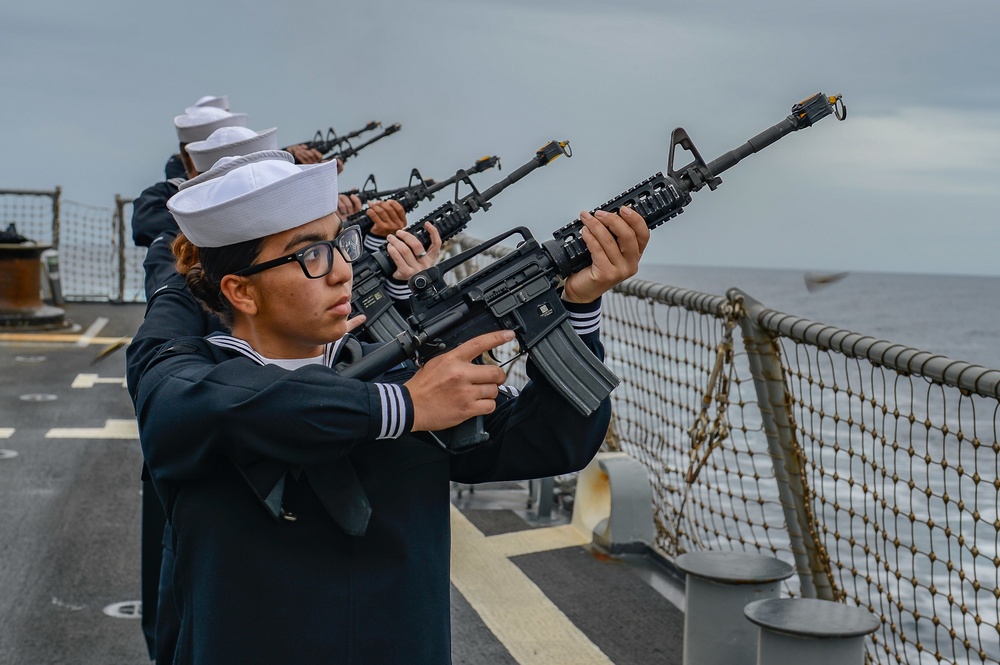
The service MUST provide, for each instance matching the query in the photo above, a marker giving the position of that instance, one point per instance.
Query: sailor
(172, 311)
(302, 153)
(151, 221)
(310, 511)
(175, 166)
(149, 213)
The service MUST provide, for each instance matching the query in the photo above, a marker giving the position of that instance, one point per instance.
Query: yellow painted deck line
(530, 541)
(530, 626)
(113, 429)
(6, 432)
(54, 338)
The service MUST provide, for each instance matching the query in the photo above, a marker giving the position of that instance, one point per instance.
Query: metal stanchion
(719, 585)
(808, 630)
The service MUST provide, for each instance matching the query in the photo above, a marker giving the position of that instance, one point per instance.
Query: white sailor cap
(218, 101)
(226, 164)
(199, 122)
(255, 200)
(230, 142)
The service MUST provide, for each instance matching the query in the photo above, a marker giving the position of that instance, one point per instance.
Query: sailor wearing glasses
(310, 512)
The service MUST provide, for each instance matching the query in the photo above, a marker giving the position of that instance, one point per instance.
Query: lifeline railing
(97, 260)
(870, 466)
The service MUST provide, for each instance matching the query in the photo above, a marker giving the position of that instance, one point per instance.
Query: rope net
(901, 475)
(30, 212)
(899, 470)
(97, 260)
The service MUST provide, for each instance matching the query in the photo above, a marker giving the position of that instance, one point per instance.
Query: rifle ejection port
(502, 301)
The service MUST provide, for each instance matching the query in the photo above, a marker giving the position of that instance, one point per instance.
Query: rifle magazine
(573, 369)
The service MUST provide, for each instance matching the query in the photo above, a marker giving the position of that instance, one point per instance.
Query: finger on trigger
(477, 346)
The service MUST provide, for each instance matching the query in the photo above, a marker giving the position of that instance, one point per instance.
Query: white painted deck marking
(6, 432)
(113, 429)
(96, 327)
(73, 607)
(91, 380)
(130, 609)
(530, 626)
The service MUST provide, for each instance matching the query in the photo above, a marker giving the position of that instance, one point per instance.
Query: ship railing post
(775, 407)
(119, 224)
(56, 196)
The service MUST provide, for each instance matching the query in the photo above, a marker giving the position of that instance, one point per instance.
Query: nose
(342, 271)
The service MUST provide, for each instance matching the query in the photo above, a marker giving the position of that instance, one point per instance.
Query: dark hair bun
(202, 287)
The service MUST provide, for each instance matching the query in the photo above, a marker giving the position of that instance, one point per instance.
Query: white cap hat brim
(255, 200)
(199, 123)
(227, 164)
(218, 101)
(230, 142)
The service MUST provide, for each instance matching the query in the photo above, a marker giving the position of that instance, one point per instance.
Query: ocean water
(955, 316)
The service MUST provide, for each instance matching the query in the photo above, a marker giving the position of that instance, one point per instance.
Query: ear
(240, 293)
(188, 162)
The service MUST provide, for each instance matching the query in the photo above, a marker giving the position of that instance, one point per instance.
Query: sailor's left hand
(616, 243)
(409, 255)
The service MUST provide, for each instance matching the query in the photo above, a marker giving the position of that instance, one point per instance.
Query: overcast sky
(909, 183)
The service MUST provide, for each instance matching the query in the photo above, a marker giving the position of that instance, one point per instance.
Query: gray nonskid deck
(70, 575)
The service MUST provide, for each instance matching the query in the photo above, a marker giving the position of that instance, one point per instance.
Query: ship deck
(69, 481)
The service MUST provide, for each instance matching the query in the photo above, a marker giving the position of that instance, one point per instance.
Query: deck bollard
(808, 630)
(719, 585)
(614, 504)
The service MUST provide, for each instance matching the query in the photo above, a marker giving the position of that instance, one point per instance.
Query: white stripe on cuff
(585, 322)
(398, 291)
(374, 243)
(393, 411)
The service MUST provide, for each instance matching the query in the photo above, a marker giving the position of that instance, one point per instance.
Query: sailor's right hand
(387, 217)
(303, 154)
(449, 389)
(347, 205)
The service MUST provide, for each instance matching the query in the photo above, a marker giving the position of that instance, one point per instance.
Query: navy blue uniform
(171, 311)
(260, 585)
(150, 216)
(174, 168)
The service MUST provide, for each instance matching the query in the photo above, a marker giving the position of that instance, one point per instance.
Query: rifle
(369, 191)
(368, 296)
(418, 190)
(520, 290)
(351, 151)
(321, 144)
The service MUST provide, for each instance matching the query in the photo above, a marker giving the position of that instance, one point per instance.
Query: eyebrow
(304, 238)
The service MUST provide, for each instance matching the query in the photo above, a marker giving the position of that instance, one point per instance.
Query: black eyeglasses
(316, 259)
